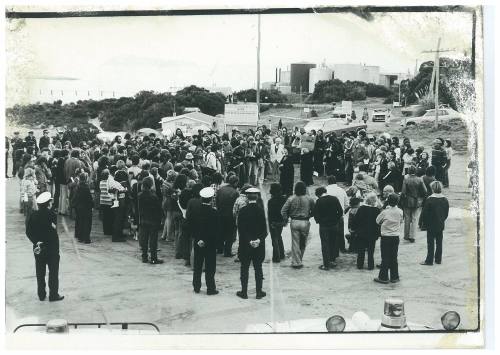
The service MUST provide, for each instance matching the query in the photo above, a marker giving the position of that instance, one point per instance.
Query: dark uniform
(203, 224)
(17, 154)
(251, 226)
(150, 214)
(44, 142)
(30, 141)
(42, 227)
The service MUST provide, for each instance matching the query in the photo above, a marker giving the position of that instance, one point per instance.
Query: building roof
(195, 116)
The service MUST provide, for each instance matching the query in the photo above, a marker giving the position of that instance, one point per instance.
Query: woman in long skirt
(83, 203)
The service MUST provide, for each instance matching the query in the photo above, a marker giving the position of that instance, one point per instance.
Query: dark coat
(42, 227)
(203, 223)
(150, 211)
(251, 226)
(364, 223)
(328, 211)
(435, 213)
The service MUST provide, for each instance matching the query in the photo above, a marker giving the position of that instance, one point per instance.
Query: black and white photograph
(244, 171)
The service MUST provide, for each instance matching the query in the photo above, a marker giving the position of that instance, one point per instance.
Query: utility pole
(258, 66)
(435, 78)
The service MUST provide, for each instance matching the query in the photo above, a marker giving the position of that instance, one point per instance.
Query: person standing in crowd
(149, 222)
(167, 191)
(327, 213)
(333, 189)
(83, 203)
(44, 140)
(252, 232)
(105, 203)
(449, 153)
(177, 219)
(204, 224)
(299, 208)
(277, 153)
(365, 115)
(434, 215)
(28, 191)
(439, 158)
(30, 141)
(225, 198)
(119, 185)
(42, 232)
(319, 153)
(17, 152)
(367, 230)
(306, 166)
(42, 174)
(413, 194)
(286, 173)
(275, 220)
(390, 221)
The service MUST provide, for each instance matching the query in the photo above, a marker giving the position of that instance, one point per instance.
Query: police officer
(30, 141)
(41, 230)
(44, 140)
(17, 152)
(252, 232)
(203, 223)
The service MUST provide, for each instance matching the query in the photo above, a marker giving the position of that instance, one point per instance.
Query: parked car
(380, 114)
(393, 320)
(330, 125)
(444, 114)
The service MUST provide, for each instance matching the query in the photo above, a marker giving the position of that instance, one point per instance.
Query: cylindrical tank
(299, 76)
(318, 74)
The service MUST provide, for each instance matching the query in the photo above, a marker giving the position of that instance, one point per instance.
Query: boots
(260, 293)
(243, 293)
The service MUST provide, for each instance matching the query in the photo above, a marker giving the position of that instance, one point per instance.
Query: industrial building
(299, 77)
(357, 72)
(319, 74)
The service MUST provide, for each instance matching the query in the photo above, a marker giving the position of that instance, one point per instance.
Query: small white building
(190, 123)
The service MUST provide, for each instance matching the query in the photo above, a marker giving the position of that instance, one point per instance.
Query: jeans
(208, 256)
(252, 172)
(148, 238)
(389, 250)
(328, 237)
(277, 241)
(41, 264)
(368, 246)
(411, 222)
(300, 234)
(431, 254)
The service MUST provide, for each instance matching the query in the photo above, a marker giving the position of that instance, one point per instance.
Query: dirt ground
(106, 281)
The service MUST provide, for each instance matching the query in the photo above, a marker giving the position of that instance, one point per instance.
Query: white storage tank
(318, 74)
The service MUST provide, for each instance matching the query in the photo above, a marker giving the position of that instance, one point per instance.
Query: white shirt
(276, 155)
(339, 193)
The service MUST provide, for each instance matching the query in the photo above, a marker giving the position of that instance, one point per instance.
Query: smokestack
(279, 78)
(276, 76)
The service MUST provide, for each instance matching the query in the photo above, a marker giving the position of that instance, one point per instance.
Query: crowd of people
(201, 191)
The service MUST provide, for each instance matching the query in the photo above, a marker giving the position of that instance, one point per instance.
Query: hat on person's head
(43, 197)
(189, 156)
(252, 190)
(437, 141)
(207, 192)
(30, 132)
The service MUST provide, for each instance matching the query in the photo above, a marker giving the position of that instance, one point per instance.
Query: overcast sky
(128, 54)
